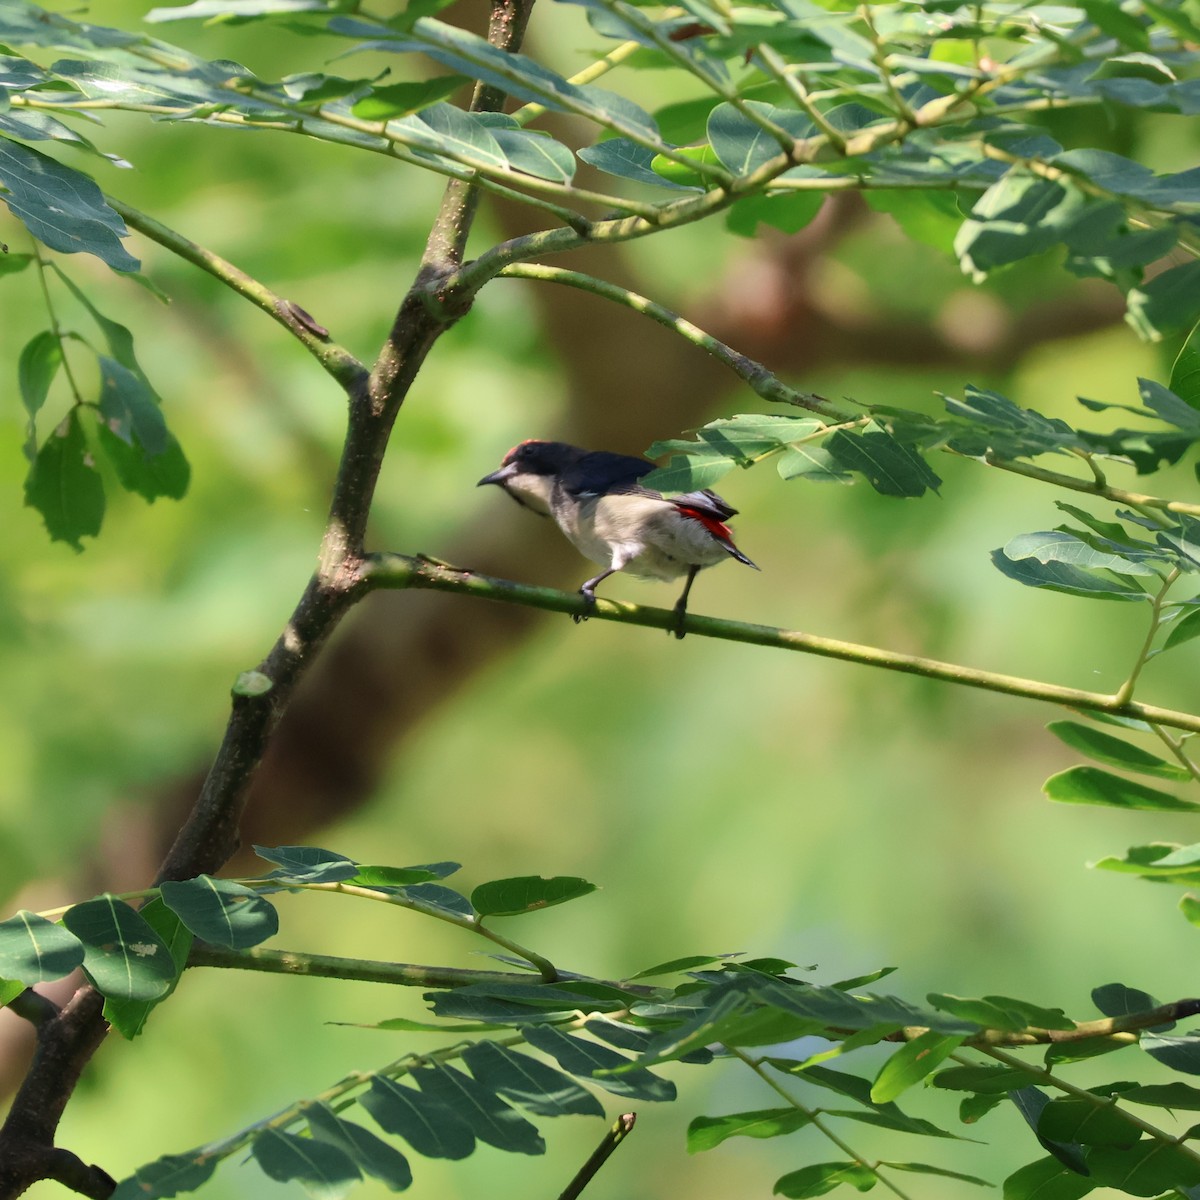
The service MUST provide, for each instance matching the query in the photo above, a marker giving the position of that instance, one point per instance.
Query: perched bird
(596, 500)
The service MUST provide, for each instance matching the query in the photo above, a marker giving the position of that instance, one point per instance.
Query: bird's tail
(736, 553)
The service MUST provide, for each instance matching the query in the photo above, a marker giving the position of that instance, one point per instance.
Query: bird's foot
(589, 606)
(679, 629)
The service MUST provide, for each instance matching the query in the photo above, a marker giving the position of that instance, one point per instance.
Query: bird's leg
(588, 592)
(681, 605)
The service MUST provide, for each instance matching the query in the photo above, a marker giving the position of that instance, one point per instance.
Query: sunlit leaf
(221, 911)
(706, 1132)
(912, 1063)
(34, 950)
(1090, 785)
(1114, 751)
(819, 1178)
(527, 893)
(122, 954)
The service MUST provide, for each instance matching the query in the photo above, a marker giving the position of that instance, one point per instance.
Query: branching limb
(334, 359)
(400, 571)
(766, 384)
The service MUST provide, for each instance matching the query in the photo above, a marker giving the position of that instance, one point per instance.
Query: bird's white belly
(643, 536)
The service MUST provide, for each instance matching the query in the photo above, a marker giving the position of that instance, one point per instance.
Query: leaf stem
(814, 1117)
(1125, 693)
(402, 571)
(544, 967)
(52, 316)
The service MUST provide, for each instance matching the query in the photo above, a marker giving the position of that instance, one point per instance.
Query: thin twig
(620, 1130)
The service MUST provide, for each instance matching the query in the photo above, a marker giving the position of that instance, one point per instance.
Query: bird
(595, 497)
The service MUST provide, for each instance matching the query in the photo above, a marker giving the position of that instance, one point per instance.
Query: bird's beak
(501, 476)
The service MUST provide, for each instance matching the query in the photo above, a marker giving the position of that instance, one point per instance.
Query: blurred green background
(724, 798)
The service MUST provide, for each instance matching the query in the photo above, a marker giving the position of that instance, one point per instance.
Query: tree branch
(335, 359)
(401, 571)
(209, 836)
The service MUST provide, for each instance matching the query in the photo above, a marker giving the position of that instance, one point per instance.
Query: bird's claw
(679, 629)
(589, 606)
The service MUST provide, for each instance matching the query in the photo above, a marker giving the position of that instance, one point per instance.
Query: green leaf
(440, 899)
(535, 153)
(588, 1060)
(490, 1119)
(1046, 1179)
(422, 1120)
(122, 954)
(677, 966)
(974, 1107)
(307, 864)
(526, 893)
(235, 11)
(1117, 1000)
(1180, 1096)
(11, 264)
(370, 1154)
(1091, 1124)
(61, 207)
(1178, 1053)
(1055, 546)
(10, 989)
(130, 407)
(985, 1013)
(1147, 1168)
(1185, 373)
(168, 1176)
(149, 476)
(1117, 23)
(789, 212)
(63, 485)
(911, 1063)
(36, 368)
(1169, 406)
(1031, 1102)
(742, 144)
(1168, 302)
(1186, 628)
(926, 1169)
(447, 129)
(1114, 751)
(325, 1170)
(128, 1017)
(625, 159)
(1019, 216)
(706, 1132)
(888, 1116)
(34, 950)
(221, 911)
(400, 99)
(820, 1178)
(533, 1084)
(689, 472)
(814, 463)
(890, 467)
(986, 1081)
(1090, 785)
(371, 876)
(1190, 907)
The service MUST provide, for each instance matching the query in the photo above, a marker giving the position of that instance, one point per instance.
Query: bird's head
(529, 470)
